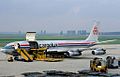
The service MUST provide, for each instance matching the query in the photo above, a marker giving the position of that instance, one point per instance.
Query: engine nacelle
(73, 53)
(99, 52)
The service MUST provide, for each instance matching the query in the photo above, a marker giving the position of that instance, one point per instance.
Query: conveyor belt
(24, 54)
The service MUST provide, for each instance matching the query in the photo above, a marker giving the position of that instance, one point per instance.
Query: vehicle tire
(10, 59)
(16, 58)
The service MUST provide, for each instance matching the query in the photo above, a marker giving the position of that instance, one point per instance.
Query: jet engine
(72, 53)
(99, 52)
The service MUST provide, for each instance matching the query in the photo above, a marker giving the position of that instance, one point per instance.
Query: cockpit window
(8, 47)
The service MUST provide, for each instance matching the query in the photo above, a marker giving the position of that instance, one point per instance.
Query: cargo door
(30, 36)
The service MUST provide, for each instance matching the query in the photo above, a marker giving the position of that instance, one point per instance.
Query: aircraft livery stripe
(84, 43)
(24, 44)
(66, 45)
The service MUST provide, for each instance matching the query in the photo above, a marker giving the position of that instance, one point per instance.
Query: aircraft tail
(93, 36)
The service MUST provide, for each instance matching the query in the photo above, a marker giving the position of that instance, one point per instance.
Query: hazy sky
(57, 15)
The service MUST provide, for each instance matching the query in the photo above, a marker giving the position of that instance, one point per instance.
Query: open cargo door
(30, 36)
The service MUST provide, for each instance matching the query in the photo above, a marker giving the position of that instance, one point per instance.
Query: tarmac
(73, 64)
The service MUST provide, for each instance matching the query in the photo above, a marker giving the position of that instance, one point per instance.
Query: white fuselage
(73, 47)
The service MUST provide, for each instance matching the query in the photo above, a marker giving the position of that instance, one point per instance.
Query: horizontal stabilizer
(107, 41)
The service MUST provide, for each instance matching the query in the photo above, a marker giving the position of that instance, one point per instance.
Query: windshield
(8, 47)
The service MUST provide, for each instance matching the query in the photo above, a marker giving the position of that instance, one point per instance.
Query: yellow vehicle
(39, 54)
(54, 57)
(98, 65)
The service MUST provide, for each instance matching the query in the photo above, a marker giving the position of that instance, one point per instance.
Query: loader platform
(39, 54)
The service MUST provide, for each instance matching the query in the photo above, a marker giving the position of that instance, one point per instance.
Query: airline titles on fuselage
(48, 45)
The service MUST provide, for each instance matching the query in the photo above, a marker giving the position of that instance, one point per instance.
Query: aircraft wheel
(10, 59)
(93, 52)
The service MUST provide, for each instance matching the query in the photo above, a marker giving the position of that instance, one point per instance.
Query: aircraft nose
(2, 50)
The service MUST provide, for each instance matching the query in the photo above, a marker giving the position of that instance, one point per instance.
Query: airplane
(68, 47)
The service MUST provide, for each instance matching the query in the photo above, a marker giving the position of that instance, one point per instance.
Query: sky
(57, 15)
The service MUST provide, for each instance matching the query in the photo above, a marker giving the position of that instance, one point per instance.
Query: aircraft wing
(67, 49)
(107, 41)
